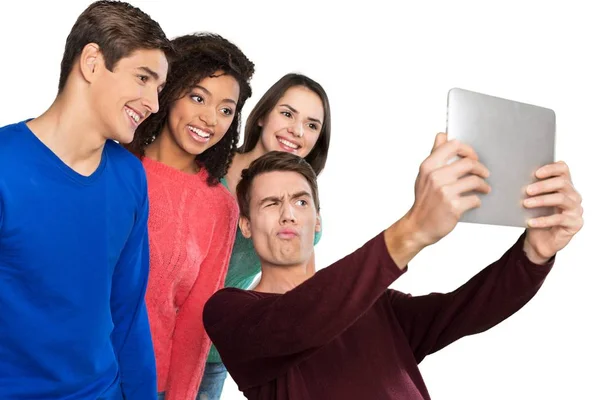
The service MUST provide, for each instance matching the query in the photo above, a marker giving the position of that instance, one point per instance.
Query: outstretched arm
(433, 321)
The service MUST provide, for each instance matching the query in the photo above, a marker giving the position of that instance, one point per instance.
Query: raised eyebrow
(303, 193)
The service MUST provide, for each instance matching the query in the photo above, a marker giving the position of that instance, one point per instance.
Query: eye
(143, 78)
(302, 203)
(227, 111)
(286, 114)
(314, 127)
(197, 98)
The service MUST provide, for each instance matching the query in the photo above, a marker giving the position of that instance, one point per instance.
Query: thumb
(440, 139)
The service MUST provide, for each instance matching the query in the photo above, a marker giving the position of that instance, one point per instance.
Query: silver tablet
(512, 140)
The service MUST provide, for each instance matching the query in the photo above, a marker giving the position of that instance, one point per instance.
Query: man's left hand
(548, 235)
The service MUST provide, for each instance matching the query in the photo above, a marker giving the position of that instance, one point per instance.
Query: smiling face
(201, 118)
(283, 218)
(124, 97)
(294, 124)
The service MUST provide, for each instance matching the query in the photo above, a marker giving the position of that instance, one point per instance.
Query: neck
(69, 129)
(277, 279)
(164, 150)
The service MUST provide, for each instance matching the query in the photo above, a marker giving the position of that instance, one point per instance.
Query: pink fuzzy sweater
(191, 230)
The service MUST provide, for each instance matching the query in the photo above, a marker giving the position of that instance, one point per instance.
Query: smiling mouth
(135, 117)
(198, 134)
(287, 145)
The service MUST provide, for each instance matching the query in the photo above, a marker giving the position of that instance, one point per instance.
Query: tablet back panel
(512, 140)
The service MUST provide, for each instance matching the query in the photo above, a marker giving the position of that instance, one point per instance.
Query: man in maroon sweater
(341, 333)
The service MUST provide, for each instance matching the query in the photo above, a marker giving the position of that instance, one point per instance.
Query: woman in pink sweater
(186, 148)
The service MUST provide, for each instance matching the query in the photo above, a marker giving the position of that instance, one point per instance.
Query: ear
(90, 61)
(260, 122)
(244, 225)
(318, 224)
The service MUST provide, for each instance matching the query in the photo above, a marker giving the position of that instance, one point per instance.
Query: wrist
(404, 241)
(532, 254)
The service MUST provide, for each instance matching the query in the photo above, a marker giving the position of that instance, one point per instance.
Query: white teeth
(133, 115)
(288, 143)
(199, 132)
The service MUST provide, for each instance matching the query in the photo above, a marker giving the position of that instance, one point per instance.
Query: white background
(387, 73)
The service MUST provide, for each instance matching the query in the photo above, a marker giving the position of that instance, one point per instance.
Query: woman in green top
(293, 116)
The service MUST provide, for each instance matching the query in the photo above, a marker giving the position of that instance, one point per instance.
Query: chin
(193, 150)
(123, 138)
(292, 261)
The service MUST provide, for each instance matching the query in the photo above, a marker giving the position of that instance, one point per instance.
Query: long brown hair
(318, 155)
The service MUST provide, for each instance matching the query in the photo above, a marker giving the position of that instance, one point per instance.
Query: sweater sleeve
(190, 341)
(433, 321)
(320, 233)
(1, 207)
(131, 336)
(260, 335)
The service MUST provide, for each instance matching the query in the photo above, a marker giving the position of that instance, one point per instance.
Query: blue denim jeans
(212, 382)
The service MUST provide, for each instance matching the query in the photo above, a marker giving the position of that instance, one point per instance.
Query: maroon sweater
(343, 334)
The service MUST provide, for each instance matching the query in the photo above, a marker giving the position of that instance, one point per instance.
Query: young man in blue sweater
(73, 220)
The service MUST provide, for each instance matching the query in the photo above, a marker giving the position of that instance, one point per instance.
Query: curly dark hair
(200, 55)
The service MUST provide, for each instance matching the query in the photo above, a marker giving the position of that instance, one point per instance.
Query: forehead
(221, 85)
(304, 100)
(278, 184)
(153, 59)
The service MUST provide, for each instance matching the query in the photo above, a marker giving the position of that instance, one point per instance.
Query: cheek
(262, 225)
(272, 126)
(222, 128)
(310, 142)
(180, 116)
(127, 90)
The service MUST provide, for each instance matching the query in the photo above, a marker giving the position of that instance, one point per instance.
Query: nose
(150, 101)
(209, 116)
(297, 129)
(287, 214)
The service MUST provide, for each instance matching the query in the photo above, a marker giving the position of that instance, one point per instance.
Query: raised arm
(274, 331)
(131, 336)
(433, 321)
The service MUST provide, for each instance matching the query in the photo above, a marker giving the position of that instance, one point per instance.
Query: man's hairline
(318, 211)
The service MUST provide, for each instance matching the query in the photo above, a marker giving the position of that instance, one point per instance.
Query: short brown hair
(118, 28)
(271, 162)
(318, 155)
